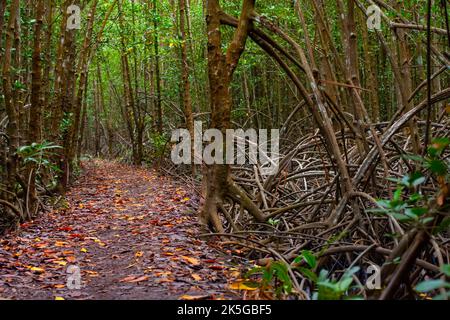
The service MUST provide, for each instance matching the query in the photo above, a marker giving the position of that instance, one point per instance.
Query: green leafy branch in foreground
(275, 279)
(438, 284)
(409, 205)
(38, 153)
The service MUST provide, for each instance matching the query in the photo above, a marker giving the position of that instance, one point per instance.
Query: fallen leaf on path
(217, 267)
(196, 277)
(134, 279)
(60, 244)
(37, 269)
(191, 260)
(71, 259)
(241, 286)
(193, 298)
(65, 229)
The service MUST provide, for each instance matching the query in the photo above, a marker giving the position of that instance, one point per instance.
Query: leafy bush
(432, 285)
(41, 155)
(409, 204)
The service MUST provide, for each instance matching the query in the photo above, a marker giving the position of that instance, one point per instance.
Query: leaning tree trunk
(217, 181)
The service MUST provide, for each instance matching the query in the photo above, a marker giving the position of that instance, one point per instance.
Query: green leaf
(397, 181)
(438, 146)
(384, 204)
(253, 271)
(400, 217)
(430, 285)
(446, 269)
(415, 197)
(413, 158)
(415, 213)
(308, 274)
(344, 284)
(444, 296)
(437, 167)
(398, 194)
(416, 179)
(309, 258)
(426, 220)
(443, 226)
(323, 275)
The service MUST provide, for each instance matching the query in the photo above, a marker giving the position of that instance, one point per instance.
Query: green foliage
(409, 204)
(329, 289)
(326, 287)
(311, 261)
(432, 285)
(159, 143)
(38, 153)
(274, 276)
(19, 86)
(66, 123)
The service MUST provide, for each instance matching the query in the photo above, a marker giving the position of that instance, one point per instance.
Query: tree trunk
(221, 68)
(187, 101)
(35, 124)
(83, 66)
(12, 129)
(159, 120)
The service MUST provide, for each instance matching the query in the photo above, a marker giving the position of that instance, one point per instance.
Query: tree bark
(220, 70)
(12, 129)
(35, 125)
(187, 100)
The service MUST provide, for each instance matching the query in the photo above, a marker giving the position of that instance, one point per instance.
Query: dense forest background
(363, 113)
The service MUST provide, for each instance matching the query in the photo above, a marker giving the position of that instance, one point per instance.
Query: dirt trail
(130, 232)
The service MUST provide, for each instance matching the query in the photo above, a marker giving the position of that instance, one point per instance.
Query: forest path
(130, 232)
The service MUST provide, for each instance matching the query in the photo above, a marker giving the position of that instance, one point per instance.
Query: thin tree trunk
(217, 181)
(83, 66)
(35, 125)
(12, 128)
(159, 112)
(187, 100)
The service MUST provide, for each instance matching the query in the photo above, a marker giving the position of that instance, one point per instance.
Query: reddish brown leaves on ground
(131, 233)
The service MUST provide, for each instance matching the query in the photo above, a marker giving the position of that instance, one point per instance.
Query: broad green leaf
(446, 269)
(309, 258)
(430, 285)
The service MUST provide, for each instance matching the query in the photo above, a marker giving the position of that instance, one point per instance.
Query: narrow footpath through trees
(130, 232)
